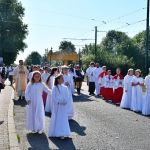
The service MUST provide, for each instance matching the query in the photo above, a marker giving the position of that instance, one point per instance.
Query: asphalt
(97, 125)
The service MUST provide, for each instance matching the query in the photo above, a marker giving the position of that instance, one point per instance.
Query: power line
(129, 24)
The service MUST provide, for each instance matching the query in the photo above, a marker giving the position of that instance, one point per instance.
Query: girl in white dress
(35, 107)
(127, 93)
(68, 81)
(50, 84)
(137, 93)
(59, 126)
(146, 104)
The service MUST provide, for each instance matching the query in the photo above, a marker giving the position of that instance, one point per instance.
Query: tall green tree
(34, 58)
(67, 46)
(12, 30)
(120, 44)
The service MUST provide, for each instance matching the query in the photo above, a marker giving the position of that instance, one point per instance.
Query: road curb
(13, 141)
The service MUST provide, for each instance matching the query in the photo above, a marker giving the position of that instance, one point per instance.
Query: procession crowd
(130, 92)
(46, 90)
(51, 90)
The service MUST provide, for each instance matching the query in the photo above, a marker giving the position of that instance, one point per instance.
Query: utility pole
(147, 39)
(95, 42)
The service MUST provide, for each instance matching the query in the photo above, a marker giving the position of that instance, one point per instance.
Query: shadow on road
(22, 103)
(66, 144)
(75, 127)
(82, 98)
(38, 142)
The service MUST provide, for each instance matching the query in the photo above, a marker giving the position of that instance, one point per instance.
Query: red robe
(109, 88)
(102, 89)
(118, 92)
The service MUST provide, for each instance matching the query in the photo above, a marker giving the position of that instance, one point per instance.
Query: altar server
(137, 93)
(59, 126)
(127, 93)
(146, 103)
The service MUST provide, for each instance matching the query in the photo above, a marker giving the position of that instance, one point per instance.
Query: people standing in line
(108, 85)
(101, 81)
(97, 72)
(118, 87)
(59, 126)
(127, 93)
(68, 81)
(35, 108)
(50, 84)
(146, 103)
(21, 74)
(79, 77)
(91, 78)
(137, 93)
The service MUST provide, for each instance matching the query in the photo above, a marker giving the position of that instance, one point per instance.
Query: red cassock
(109, 94)
(102, 89)
(118, 92)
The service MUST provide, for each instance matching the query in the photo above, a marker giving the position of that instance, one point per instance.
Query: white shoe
(33, 132)
(40, 132)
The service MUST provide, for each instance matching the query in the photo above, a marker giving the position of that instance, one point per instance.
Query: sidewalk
(7, 130)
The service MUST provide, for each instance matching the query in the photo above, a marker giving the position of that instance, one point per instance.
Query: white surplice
(59, 125)
(127, 93)
(137, 94)
(68, 79)
(90, 74)
(45, 76)
(97, 72)
(146, 104)
(35, 110)
(48, 106)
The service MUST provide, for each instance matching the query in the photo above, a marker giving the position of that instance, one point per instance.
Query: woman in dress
(35, 107)
(127, 93)
(59, 126)
(146, 104)
(137, 93)
(50, 84)
(68, 81)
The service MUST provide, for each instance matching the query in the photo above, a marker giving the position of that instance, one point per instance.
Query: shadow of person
(38, 141)
(75, 127)
(22, 102)
(82, 98)
(66, 144)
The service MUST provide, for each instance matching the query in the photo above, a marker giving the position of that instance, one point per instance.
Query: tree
(34, 58)
(120, 44)
(12, 30)
(66, 46)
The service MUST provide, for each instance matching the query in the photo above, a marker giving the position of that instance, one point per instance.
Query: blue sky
(50, 21)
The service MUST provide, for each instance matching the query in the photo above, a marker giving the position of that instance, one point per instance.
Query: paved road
(5, 96)
(97, 125)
